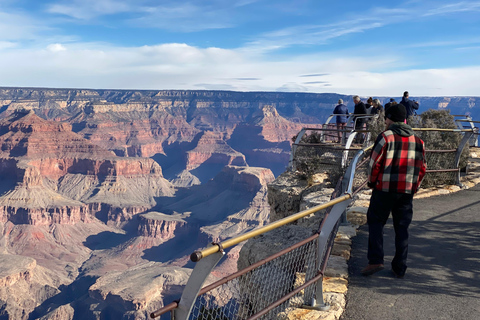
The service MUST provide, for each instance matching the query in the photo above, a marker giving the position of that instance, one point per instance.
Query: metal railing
(350, 126)
(444, 165)
(464, 122)
(293, 276)
(337, 155)
(290, 278)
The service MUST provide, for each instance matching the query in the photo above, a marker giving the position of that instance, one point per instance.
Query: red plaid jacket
(397, 163)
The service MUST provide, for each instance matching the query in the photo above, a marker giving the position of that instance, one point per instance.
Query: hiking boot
(398, 274)
(371, 269)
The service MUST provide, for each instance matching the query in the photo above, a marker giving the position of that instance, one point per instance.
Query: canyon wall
(105, 193)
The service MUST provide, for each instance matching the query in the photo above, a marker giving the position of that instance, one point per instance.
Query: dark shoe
(371, 269)
(398, 274)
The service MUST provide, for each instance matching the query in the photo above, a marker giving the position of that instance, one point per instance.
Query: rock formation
(90, 227)
(59, 177)
(23, 286)
(134, 293)
(161, 226)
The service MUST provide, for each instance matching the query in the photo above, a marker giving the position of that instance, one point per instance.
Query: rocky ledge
(162, 226)
(132, 293)
(21, 277)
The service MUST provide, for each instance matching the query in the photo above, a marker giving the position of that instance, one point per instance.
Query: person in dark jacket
(359, 110)
(369, 105)
(395, 172)
(376, 107)
(410, 105)
(342, 119)
(389, 104)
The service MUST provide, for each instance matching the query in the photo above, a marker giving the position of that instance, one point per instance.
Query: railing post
(319, 303)
(466, 137)
(300, 135)
(325, 125)
(327, 229)
(202, 270)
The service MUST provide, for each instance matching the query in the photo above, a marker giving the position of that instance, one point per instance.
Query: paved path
(443, 276)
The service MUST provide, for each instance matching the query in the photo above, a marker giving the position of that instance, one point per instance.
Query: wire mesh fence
(317, 157)
(312, 157)
(249, 293)
(361, 173)
(442, 168)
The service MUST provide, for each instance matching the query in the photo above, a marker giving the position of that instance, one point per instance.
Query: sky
(369, 48)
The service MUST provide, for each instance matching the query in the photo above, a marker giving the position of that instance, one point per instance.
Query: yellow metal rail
(197, 255)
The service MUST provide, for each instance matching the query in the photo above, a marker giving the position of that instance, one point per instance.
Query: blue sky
(370, 48)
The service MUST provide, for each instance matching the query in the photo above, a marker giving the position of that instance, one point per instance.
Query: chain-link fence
(251, 291)
(314, 158)
(442, 167)
(361, 173)
(441, 156)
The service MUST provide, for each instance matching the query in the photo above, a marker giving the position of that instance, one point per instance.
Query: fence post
(323, 241)
(466, 137)
(202, 270)
(325, 125)
(291, 164)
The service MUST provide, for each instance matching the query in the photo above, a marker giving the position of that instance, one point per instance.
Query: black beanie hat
(397, 113)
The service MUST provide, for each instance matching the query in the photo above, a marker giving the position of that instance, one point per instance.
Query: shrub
(437, 140)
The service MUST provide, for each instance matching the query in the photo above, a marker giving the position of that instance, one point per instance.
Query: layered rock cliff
(52, 175)
(101, 227)
(22, 277)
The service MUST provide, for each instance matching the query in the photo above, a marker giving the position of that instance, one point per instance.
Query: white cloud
(463, 6)
(56, 47)
(7, 44)
(183, 16)
(88, 9)
(16, 27)
(311, 34)
(179, 66)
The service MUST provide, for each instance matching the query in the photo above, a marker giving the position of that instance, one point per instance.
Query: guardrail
(350, 126)
(470, 124)
(293, 276)
(441, 163)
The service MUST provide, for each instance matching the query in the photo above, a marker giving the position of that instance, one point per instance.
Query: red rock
(41, 156)
(212, 149)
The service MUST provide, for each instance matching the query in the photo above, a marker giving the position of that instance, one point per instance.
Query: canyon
(105, 193)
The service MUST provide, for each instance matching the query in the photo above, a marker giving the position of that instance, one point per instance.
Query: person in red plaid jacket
(397, 167)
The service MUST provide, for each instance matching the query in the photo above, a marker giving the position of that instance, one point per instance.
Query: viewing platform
(303, 270)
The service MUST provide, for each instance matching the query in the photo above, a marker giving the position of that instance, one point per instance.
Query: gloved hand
(371, 185)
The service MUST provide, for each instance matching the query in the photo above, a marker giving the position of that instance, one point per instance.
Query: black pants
(381, 204)
(359, 125)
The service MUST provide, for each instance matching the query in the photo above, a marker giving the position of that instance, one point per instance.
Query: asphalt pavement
(443, 276)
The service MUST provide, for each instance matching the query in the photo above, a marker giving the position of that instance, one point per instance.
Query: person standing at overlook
(396, 169)
(410, 105)
(376, 107)
(389, 104)
(369, 105)
(341, 120)
(359, 109)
